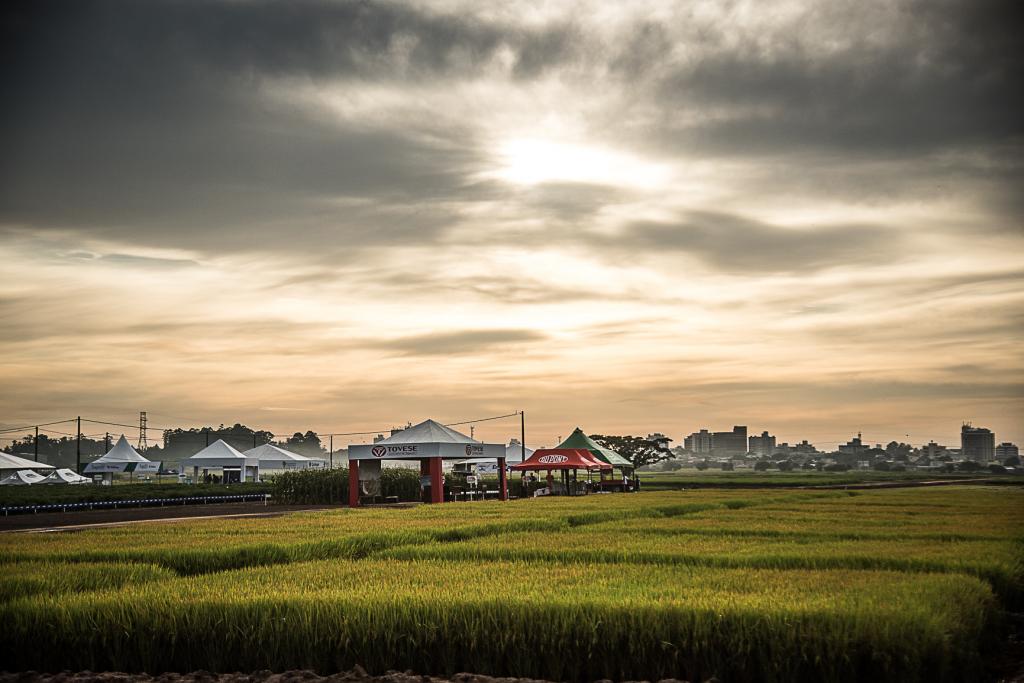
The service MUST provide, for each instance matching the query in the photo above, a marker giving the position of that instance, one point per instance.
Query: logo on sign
(469, 450)
(552, 459)
(379, 451)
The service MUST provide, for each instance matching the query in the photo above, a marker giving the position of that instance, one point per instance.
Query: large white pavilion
(220, 455)
(430, 442)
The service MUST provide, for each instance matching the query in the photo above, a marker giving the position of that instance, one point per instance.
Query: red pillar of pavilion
(436, 487)
(502, 480)
(353, 483)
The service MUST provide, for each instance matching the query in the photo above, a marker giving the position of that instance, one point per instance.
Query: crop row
(560, 622)
(216, 545)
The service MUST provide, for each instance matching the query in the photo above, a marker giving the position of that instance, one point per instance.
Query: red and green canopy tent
(580, 440)
(561, 459)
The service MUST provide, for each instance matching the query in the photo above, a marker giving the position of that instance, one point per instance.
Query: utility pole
(332, 451)
(78, 447)
(106, 443)
(35, 443)
(522, 434)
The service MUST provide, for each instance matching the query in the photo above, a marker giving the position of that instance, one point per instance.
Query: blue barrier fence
(142, 502)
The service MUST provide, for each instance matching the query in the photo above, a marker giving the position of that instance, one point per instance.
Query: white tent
(514, 452)
(65, 476)
(513, 456)
(121, 458)
(12, 463)
(271, 457)
(22, 478)
(220, 455)
(428, 431)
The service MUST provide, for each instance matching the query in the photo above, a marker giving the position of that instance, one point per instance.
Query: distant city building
(933, 450)
(763, 445)
(804, 448)
(732, 443)
(977, 443)
(854, 446)
(698, 442)
(1007, 450)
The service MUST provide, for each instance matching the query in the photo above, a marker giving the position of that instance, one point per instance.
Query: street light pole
(78, 448)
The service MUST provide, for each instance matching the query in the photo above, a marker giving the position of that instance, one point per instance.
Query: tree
(635, 449)
(762, 466)
(1012, 461)
(968, 466)
(898, 450)
(307, 444)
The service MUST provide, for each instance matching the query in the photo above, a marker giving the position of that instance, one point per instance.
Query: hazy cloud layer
(689, 212)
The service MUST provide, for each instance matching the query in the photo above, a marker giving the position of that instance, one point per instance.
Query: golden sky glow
(630, 217)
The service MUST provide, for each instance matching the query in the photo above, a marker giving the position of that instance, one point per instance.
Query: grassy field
(781, 585)
(692, 478)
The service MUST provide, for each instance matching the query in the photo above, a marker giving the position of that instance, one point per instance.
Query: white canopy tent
(271, 457)
(12, 463)
(220, 455)
(22, 478)
(121, 458)
(430, 443)
(65, 476)
(513, 456)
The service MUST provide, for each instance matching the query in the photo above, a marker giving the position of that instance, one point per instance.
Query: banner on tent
(413, 451)
(137, 467)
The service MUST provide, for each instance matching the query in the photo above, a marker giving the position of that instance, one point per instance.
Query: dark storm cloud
(148, 122)
(948, 77)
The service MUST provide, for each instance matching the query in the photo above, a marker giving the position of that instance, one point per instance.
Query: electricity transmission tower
(142, 430)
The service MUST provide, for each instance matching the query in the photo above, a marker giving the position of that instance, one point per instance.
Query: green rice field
(748, 585)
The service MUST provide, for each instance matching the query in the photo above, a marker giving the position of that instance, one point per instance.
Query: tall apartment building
(1007, 450)
(977, 443)
(698, 442)
(732, 443)
(763, 445)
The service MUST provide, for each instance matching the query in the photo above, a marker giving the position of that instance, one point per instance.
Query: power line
(227, 432)
(41, 424)
(482, 419)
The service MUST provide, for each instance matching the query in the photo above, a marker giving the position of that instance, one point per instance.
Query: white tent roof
(121, 452)
(513, 454)
(218, 454)
(269, 451)
(428, 431)
(65, 476)
(13, 462)
(514, 451)
(22, 478)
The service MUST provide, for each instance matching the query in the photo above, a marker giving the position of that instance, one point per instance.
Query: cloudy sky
(804, 217)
